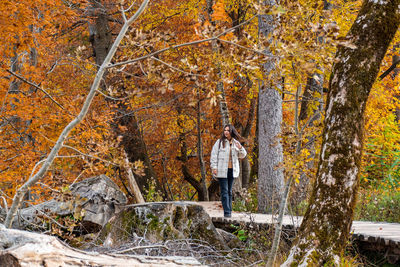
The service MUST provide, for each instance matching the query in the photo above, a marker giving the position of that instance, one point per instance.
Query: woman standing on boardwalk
(225, 156)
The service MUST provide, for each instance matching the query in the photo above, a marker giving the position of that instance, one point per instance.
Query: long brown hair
(233, 132)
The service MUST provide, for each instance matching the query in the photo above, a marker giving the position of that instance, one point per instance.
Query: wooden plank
(387, 234)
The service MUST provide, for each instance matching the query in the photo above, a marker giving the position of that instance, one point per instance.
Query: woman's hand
(238, 145)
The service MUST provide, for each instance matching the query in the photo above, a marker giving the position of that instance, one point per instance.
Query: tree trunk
(254, 167)
(132, 138)
(314, 86)
(270, 158)
(396, 71)
(325, 230)
(100, 33)
(245, 163)
(132, 182)
(270, 152)
(200, 148)
(223, 106)
(135, 147)
(202, 191)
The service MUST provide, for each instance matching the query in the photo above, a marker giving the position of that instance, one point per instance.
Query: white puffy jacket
(220, 158)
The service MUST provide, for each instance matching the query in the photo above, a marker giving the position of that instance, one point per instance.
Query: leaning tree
(325, 229)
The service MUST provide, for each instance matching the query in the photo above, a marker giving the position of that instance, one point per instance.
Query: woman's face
(227, 133)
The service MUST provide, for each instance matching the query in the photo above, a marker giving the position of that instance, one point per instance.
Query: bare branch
(113, 98)
(390, 69)
(247, 48)
(89, 156)
(123, 13)
(36, 86)
(179, 70)
(181, 45)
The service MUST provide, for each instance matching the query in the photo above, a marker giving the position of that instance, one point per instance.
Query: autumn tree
(326, 225)
(47, 162)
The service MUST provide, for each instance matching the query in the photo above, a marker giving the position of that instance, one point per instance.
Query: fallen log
(21, 248)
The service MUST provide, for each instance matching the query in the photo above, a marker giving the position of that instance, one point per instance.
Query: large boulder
(92, 201)
(161, 221)
(103, 198)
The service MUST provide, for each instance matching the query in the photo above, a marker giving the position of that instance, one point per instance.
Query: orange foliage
(163, 89)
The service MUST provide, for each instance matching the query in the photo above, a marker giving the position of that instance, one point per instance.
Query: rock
(94, 200)
(21, 248)
(103, 198)
(161, 221)
(230, 239)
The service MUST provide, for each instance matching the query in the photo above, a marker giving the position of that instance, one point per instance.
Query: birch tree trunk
(325, 230)
(270, 152)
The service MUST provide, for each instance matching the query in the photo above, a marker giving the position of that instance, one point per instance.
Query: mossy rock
(159, 222)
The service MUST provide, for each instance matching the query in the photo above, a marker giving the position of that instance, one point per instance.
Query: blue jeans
(225, 185)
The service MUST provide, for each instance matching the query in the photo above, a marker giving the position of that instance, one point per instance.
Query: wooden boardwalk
(380, 235)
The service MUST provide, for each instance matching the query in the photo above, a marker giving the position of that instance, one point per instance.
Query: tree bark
(254, 167)
(270, 158)
(200, 148)
(396, 58)
(245, 163)
(100, 33)
(270, 151)
(325, 230)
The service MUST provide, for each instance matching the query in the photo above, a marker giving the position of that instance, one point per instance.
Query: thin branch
(129, 8)
(76, 179)
(180, 45)
(123, 12)
(114, 98)
(247, 48)
(53, 67)
(179, 70)
(51, 189)
(36, 86)
(142, 247)
(48, 217)
(390, 69)
(89, 156)
(3, 104)
(158, 105)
